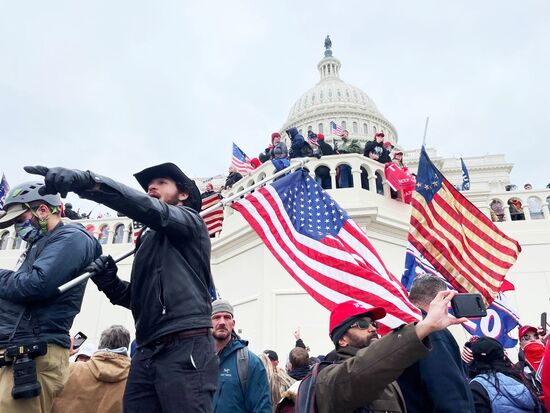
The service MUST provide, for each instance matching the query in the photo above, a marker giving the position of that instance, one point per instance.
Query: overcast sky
(115, 86)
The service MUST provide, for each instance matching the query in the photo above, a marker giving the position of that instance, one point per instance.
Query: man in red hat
(175, 368)
(366, 366)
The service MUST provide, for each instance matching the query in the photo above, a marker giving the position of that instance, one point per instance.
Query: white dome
(334, 100)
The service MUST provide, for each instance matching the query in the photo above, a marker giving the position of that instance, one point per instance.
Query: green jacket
(351, 146)
(364, 378)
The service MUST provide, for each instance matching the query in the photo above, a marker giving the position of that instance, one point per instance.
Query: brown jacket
(96, 386)
(365, 377)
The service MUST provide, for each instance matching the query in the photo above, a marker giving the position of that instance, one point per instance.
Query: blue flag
(465, 176)
(501, 318)
(4, 189)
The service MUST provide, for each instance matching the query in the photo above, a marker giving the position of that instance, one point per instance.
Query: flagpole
(83, 277)
(301, 162)
(425, 131)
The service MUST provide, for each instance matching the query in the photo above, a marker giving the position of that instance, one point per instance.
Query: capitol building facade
(269, 304)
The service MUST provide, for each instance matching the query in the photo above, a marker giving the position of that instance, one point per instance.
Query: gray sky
(118, 86)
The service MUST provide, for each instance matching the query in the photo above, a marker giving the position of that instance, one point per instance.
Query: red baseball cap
(525, 329)
(348, 310)
(379, 134)
(320, 137)
(387, 143)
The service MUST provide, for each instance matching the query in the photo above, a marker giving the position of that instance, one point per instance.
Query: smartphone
(468, 305)
(79, 339)
(543, 323)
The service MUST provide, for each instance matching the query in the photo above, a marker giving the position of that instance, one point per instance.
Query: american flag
(4, 189)
(240, 161)
(321, 247)
(137, 227)
(336, 129)
(462, 244)
(214, 219)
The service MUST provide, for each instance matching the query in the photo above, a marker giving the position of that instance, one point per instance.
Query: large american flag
(321, 247)
(240, 161)
(214, 219)
(335, 129)
(462, 244)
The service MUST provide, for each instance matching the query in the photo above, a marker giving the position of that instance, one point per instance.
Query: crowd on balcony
(532, 205)
(315, 145)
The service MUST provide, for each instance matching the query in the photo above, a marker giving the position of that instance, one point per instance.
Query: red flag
(400, 179)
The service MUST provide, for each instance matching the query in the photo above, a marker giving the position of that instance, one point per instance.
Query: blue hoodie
(229, 397)
(299, 148)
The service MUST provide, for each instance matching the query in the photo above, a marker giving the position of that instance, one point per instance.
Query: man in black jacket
(31, 311)
(437, 383)
(175, 367)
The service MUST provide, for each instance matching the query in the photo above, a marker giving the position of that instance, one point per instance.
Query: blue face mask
(28, 231)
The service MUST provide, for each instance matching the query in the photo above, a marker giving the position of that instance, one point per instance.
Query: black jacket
(54, 259)
(437, 383)
(169, 286)
(378, 149)
(326, 149)
(232, 178)
(299, 148)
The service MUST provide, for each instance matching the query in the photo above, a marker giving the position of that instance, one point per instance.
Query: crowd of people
(315, 145)
(187, 354)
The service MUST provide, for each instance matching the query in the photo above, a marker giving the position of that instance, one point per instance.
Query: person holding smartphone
(31, 310)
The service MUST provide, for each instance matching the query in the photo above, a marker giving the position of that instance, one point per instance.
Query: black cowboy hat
(170, 170)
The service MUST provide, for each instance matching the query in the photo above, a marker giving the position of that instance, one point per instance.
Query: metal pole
(83, 277)
(301, 162)
(425, 131)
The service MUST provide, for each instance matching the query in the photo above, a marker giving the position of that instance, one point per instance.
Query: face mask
(27, 231)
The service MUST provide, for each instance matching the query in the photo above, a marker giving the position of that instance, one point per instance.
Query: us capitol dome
(333, 100)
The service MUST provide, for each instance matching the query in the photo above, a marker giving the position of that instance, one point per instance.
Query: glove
(62, 180)
(105, 271)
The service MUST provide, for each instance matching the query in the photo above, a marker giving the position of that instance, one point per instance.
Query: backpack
(242, 368)
(305, 399)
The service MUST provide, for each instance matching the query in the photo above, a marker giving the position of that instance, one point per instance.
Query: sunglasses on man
(363, 324)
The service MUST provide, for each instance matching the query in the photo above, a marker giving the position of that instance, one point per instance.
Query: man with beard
(362, 378)
(242, 384)
(175, 367)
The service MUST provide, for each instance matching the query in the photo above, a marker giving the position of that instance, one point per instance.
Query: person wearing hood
(299, 148)
(170, 287)
(233, 394)
(98, 384)
(495, 386)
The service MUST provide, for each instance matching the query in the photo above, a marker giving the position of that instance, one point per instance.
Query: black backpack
(305, 399)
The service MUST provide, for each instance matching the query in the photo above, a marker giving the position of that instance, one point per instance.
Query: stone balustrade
(364, 171)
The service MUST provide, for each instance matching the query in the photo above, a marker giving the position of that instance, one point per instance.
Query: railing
(366, 174)
(109, 230)
(524, 205)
